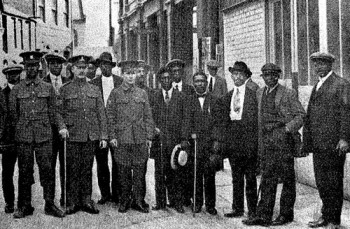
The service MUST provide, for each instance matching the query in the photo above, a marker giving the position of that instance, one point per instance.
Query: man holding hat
(32, 104)
(326, 134)
(217, 86)
(106, 82)
(176, 67)
(83, 123)
(239, 127)
(131, 130)
(280, 116)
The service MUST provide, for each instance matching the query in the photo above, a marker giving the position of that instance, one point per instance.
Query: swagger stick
(194, 137)
(65, 173)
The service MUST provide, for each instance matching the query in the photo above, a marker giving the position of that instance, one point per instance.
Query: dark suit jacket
(169, 118)
(240, 134)
(201, 122)
(3, 114)
(8, 134)
(328, 116)
(187, 89)
(98, 82)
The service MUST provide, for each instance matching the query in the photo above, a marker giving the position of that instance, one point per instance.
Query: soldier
(176, 67)
(131, 130)
(141, 78)
(280, 116)
(217, 86)
(91, 69)
(83, 123)
(106, 82)
(32, 103)
(168, 113)
(55, 78)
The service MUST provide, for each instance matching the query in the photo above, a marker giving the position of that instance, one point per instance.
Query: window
(14, 32)
(4, 35)
(21, 33)
(54, 11)
(66, 12)
(41, 5)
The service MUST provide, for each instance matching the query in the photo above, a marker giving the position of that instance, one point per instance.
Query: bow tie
(201, 95)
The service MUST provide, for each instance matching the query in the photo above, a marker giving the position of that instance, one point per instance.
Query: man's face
(141, 76)
(13, 78)
(200, 84)
(55, 67)
(322, 67)
(166, 81)
(238, 78)
(271, 79)
(106, 68)
(79, 70)
(212, 71)
(177, 73)
(91, 71)
(32, 69)
(129, 75)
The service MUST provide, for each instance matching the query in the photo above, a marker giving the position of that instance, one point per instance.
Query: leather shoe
(212, 211)
(9, 208)
(104, 199)
(234, 214)
(51, 209)
(23, 212)
(158, 207)
(72, 209)
(333, 226)
(90, 208)
(179, 209)
(124, 207)
(281, 220)
(318, 223)
(257, 221)
(140, 207)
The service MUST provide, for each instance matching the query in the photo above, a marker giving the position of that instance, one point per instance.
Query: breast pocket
(43, 99)
(24, 101)
(71, 102)
(91, 100)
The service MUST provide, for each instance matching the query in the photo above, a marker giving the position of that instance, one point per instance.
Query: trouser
(277, 165)
(58, 150)
(244, 167)
(9, 158)
(43, 156)
(103, 174)
(329, 174)
(80, 159)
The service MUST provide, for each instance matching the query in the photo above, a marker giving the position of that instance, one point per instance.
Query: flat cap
(54, 57)
(13, 68)
(79, 59)
(270, 68)
(213, 64)
(322, 56)
(31, 56)
(128, 64)
(175, 62)
(241, 67)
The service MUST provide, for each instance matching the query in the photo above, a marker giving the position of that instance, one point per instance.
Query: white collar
(322, 79)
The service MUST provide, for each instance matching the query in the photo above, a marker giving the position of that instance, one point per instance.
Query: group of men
(90, 116)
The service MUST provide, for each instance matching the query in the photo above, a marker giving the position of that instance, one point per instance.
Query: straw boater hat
(178, 157)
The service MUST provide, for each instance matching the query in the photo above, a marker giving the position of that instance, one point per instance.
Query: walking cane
(194, 137)
(65, 173)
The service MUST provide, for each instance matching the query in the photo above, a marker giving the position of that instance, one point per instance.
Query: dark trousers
(58, 150)
(9, 159)
(244, 167)
(277, 165)
(132, 175)
(161, 165)
(43, 156)
(80, 159)
(103, 174)
(329, 174)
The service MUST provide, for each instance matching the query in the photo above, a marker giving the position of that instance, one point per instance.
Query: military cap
(13, 68)
(79, 59)
(143, 64)
(54, 56)
(240, 66)
(322, 56)
(106, 57)
(161, 71)
(178, 157)
(213, 64)
(270, 68)
(175, 62)
(31, 56)
(93, 61)
(128, 64)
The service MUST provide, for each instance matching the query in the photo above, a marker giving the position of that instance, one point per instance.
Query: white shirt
(10, 85)
(201, 101)
(322, 79)
(107, 87)
(179, 84)
(53, 82)
(170, 92)
(238, 115)
(211, 77)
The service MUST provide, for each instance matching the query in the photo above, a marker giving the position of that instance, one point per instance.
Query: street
(306, 209)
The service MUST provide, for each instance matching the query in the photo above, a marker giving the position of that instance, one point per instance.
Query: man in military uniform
(55, 78)
(141, 79)
(83, 123)
(131, 130)
(32, 103)
(91, 70)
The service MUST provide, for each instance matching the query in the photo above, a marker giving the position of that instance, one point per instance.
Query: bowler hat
(175, 62)
(31, 56)
(79, 59)
(178, 157)
(241, 67)
(270, 68)
(13, 68)
(106, 57)
(213, 64)
(54, 56)
(322, 56)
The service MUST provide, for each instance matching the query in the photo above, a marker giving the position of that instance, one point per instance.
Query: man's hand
(114, 142)
(64, 133)
(216, 146)
(342, 147)
(157, 131)
(103, 144)
(149, 143)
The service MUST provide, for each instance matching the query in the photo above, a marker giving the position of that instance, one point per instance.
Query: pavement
(307, 208)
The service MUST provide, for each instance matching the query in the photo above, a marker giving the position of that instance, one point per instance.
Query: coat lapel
(279, 94)
(325, 86)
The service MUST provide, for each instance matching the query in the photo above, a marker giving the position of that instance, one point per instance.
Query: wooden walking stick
(194, 137)
(65, 173)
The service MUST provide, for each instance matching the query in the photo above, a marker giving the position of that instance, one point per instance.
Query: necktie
(177, 87)
(211, 84)
(237, 102)
(56, 84)
(167, 98)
